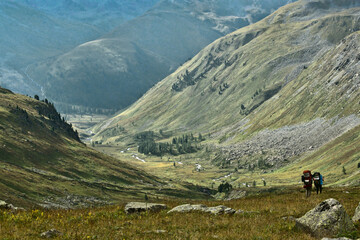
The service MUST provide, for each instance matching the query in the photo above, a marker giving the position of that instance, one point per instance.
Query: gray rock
(356, 217)
(7, 206)
(188, 208)
(221, 209)
(327, 219)
(51, 233)
(137, 207)
(3, 205)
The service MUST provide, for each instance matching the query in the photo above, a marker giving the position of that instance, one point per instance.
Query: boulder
(7, 206)
(51, 233)
(356, 217)
(221, 209)
(137, 207)
(188, 208)
(328, 219)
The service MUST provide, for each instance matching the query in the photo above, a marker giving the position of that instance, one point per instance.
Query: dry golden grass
(112, 223)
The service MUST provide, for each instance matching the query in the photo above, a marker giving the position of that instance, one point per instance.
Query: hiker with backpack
(306, 178)
(318, 182)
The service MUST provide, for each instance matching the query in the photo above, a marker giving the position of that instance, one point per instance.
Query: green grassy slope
(276, 91)
(245, 68)
(114, 71)
(269, 218)
(42, 161)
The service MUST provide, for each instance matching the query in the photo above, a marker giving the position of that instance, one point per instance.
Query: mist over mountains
(106, 54)
(36, 30)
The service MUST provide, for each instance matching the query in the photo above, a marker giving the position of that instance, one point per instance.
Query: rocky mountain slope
(43, 162)
(270, 92)
(115, 70)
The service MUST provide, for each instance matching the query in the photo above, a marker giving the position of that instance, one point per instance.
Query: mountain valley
(266, 96)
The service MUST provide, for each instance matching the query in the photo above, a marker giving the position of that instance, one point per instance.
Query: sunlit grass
(112, 222)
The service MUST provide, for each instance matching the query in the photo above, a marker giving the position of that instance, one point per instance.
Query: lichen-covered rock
(356, 217)
(188, 208)
(137, 207)
(221, 209)
(328, 219)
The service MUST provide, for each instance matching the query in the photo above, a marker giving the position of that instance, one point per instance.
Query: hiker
(306, 178)
(318, 182)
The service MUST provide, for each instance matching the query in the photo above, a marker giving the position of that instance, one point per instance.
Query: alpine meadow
(180, 119)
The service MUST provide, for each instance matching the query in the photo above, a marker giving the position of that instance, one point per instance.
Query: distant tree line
(56, 121)
(187, 143)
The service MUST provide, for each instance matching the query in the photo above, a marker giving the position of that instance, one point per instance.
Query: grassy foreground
(112, 223)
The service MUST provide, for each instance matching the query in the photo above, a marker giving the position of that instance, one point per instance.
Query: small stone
(289, 218)
(51, 233)
(342, 238)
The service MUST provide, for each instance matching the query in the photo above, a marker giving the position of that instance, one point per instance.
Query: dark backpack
(307, 178)
(316, 178)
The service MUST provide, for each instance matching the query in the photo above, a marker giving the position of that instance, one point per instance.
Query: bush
(225, 187)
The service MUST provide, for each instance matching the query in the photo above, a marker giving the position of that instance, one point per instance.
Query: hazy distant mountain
(34, 30)
(104, 14)
(115, 70)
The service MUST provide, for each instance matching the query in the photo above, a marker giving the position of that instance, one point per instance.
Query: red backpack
(307, 178)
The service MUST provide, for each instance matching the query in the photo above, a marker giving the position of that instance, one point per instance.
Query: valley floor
(268, 221)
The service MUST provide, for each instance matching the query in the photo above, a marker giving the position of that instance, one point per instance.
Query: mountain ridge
(171, 31)
(234, 89)
(43, 163)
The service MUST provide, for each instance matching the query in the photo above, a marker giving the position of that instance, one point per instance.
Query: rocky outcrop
(328, 219)
(236, 194)
(356, 217)
(221, 209)
(137, 207)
